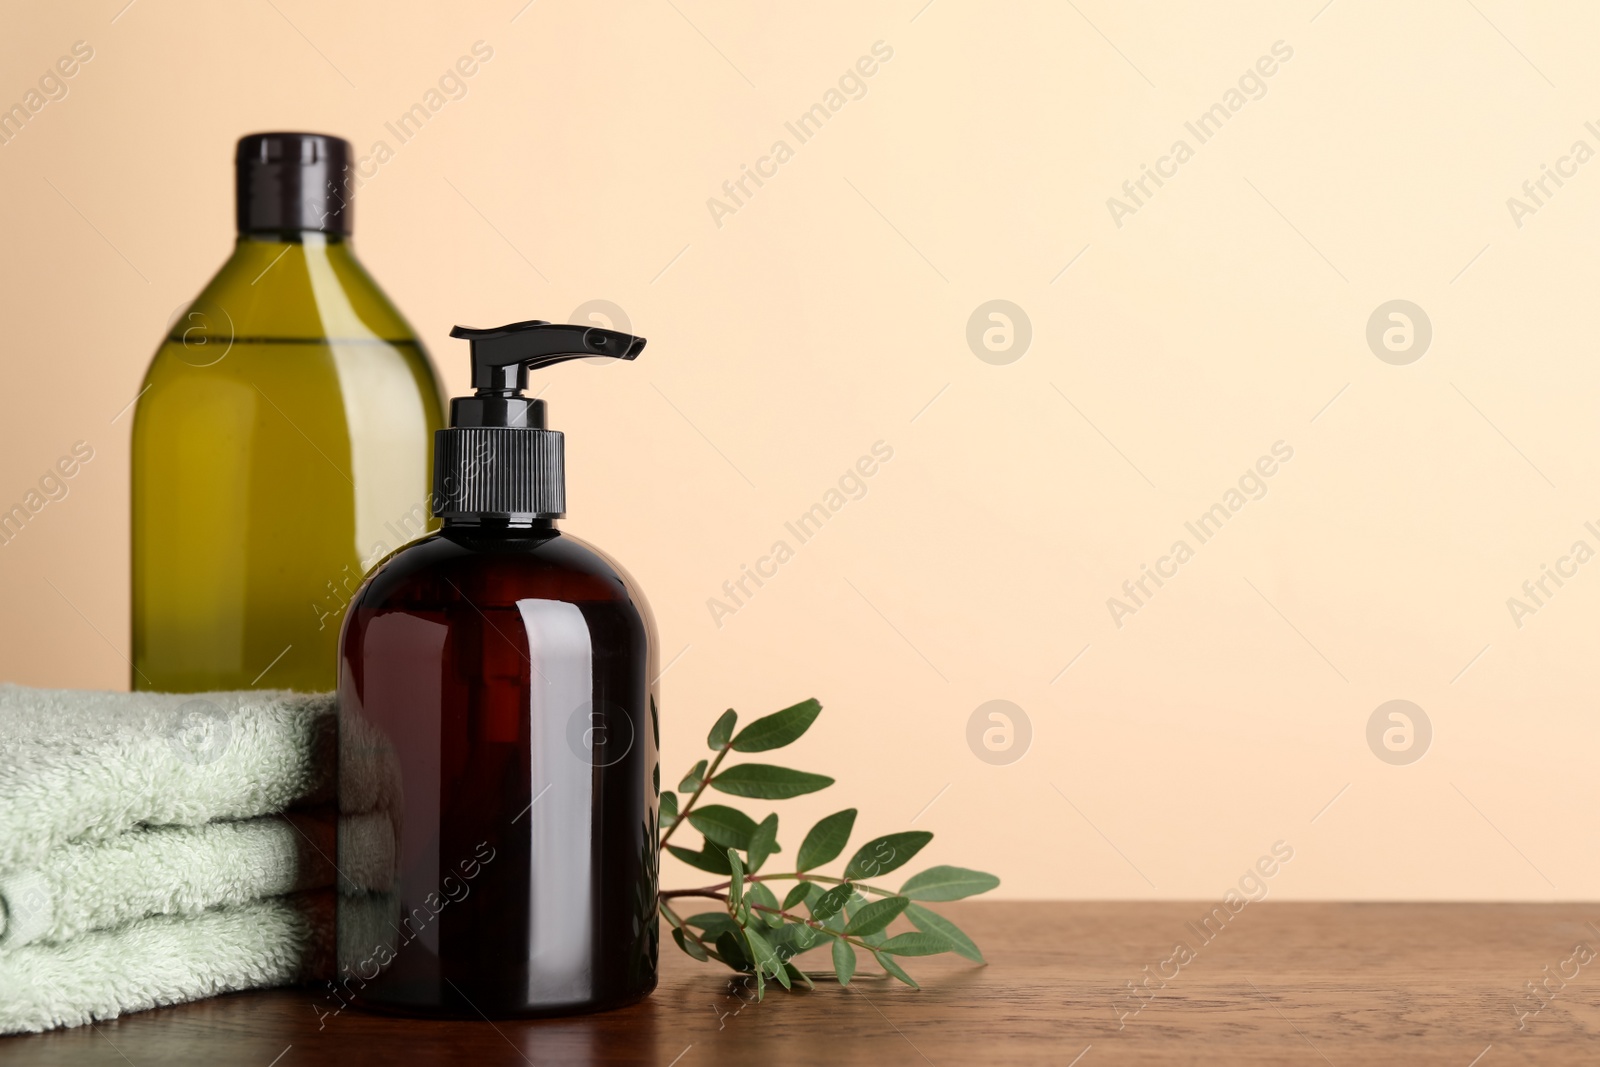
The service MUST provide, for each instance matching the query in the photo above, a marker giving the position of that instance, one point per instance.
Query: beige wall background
(1171, 347)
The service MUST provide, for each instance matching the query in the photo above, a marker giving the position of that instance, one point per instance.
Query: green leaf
(792, 938)
(722, 730)
(709, 859)
(781, 938)
(832, 902)
(796, 973)
(669, 809)
(689, 945)
(797, 894)
(917, 944)
(766, 959)
(888, 964)
(765, 782)
(934, 923)
(858, 902)
(712, 922)
(758, 893)
(731, 948)
(736, 876)
(844, 960)
(947, 883)
(778, 729)
(807, 937)
(884, 854)
(723, 826)
(691, 781)
(764, 842)
(826, 840)
(875, 916)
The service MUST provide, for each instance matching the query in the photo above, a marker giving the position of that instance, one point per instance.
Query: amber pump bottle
(498, 732)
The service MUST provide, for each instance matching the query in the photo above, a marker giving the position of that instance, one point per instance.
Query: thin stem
(815, 925)
(668, 894)
(672, 916)
(836, 881)
(678, 923)
(789, 876)
(705, 780)
(672, 894)
(791, 916)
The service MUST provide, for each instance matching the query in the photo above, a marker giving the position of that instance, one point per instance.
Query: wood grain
(1282, 983)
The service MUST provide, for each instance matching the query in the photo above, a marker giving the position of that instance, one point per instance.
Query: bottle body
(498, 782)
(282, 443)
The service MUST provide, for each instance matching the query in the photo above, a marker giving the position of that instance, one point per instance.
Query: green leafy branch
(757, 934)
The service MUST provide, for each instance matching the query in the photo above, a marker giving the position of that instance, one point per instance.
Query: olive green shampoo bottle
(282, 441)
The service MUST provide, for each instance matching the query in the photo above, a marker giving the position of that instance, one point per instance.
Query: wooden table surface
(1283, 983)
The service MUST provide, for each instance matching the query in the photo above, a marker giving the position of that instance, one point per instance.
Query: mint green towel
(167, 959)
(164, 870)
(87, 766)
(184, 870)
(141, 863)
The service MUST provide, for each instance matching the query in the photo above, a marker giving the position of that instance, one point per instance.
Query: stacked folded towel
(142, 857)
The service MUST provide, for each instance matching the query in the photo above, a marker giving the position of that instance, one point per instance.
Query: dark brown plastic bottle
(499, 734)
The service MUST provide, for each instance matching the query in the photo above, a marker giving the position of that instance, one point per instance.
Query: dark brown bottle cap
(293, 181)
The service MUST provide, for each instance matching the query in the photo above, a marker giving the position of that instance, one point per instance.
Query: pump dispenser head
(498, 459)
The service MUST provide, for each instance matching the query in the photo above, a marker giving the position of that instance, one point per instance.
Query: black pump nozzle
(479, 470)
(502, 356)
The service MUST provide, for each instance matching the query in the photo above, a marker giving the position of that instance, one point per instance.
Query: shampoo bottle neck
(305, 238)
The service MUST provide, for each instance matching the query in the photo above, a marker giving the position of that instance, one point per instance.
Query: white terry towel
(80, 765)
(167, 959)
